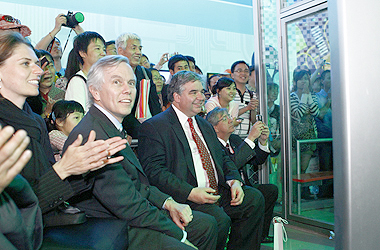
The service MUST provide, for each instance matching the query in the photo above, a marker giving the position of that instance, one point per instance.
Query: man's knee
(254, 200)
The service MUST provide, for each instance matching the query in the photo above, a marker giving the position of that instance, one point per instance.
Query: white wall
(216, 33)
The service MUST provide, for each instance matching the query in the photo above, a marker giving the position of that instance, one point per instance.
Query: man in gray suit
(122, 190)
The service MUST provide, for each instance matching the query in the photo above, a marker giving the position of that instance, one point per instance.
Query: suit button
(51, 205)
(60, 198)
(147, 188)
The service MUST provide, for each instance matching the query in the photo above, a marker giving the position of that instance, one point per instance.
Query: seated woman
(64, 117)
(89, 47)
(19, 78)
(224, 92)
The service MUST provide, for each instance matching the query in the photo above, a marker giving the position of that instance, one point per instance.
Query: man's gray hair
(122, 40)
(180, 79)
(95, 77)
(214, 115)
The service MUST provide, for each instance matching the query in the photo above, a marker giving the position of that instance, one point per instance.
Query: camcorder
(73, 19)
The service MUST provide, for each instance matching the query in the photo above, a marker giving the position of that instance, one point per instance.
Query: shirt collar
(181, 116)
(112, 118)
(223, 142)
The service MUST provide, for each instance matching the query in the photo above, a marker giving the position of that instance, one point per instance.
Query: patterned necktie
(205, 157)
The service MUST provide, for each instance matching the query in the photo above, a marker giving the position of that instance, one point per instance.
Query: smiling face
(227, 94)
(118, 92)
(241, 73)
(20, 75)
(191, 100)
(95, 51)
(132, 51)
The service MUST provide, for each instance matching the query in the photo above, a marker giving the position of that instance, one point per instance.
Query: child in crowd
(64, 117)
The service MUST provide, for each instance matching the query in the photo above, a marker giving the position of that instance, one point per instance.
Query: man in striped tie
(181, 155)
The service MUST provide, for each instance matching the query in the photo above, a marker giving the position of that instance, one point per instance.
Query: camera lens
(79, 17)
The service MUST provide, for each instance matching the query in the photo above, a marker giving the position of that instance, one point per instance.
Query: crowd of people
(189, 185)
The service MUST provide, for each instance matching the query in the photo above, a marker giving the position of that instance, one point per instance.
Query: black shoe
(268, 239)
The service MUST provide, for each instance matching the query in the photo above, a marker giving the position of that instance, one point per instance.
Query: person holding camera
(52, 44)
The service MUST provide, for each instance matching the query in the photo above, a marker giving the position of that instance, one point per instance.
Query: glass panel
(311, 124)
(270, 57)
(287, 3)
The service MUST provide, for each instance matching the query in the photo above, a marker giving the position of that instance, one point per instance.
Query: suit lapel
(111, 131)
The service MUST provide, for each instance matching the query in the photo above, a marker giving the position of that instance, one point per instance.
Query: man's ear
(94, 92)
(216, 129)
(176, 97)
(171, 71)
(82, 54)
(120, 51)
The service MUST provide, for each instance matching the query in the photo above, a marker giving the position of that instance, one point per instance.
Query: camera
(259, 118)
(73, 19)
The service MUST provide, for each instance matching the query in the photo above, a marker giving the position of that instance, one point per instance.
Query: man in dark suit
(182, 157)
(122, 190)
(247, 156)
(129, 45)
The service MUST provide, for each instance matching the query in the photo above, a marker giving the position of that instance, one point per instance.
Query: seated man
(247, 156)
(182, 156)
(122, 190)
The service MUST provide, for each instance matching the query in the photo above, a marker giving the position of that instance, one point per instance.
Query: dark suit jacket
(165, 154)
(243, 153)
(120, 190)
(130, 123)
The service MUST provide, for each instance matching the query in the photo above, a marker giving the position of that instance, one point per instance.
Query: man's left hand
(181, 214)
(237, 193)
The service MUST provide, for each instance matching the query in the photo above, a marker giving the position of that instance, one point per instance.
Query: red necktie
(205, 157)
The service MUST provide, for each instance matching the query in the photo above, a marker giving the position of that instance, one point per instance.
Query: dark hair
(40, 53)
(9, 40)
(61, 110)
(191, 59)
(81, 43)
(209, 79)
(174, 59)
(298, 73)
(50, 46)
(143, 55)
(109, 43)
(199, 69)
(236, 63)
(222, 83)
(324, 74)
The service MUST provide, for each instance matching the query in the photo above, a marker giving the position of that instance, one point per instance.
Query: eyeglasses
(242, 70)
(224, 118)
(10, 19)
